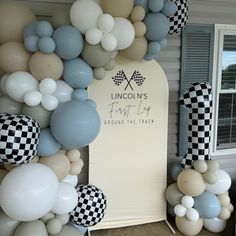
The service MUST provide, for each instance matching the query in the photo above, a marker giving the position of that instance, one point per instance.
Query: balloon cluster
(200, 197)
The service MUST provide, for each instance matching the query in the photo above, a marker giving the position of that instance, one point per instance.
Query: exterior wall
(200, 11)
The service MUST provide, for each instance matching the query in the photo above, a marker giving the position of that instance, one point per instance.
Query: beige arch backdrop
(129, 157)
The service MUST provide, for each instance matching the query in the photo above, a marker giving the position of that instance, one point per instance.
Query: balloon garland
(45, 112)
(200, 197)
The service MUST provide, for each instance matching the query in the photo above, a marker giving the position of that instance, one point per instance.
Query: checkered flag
(138, 78)
(91, 206)
(119, 77)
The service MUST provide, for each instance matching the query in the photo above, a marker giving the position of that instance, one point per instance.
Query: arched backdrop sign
(128, 159)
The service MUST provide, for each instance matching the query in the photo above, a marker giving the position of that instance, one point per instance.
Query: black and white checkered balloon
(180, 18)
(91, 206)
(19, 138)
(198, 100)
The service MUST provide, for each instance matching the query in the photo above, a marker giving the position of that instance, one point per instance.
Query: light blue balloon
(148, 57)
(46, 45)
(81, 94)
(174, 170)
(30, 29)
(143, 3)
(48, 145)
(92, 103)
(207, 205)
(69, 42)
(158, 26)
(75, 124)
(153, 48)
(156, 5)
(31, 43)
(77, 73)
(44, 29)
(169, 8)
(163, 43)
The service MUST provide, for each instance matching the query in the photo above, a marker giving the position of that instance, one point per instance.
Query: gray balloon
(41, 115)
(67, 230)
(95, 55)
(7, 105)
(7, 224)
(35, 228)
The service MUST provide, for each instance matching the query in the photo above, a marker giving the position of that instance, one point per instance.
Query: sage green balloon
(95, 55)
(7, 224)
(67, 230)
(32, 228)
(41, 115)
(7, 105)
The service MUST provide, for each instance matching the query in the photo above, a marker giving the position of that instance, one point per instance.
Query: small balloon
(192, 214)
(99, 73)
(106, 23)
(109, 42)
(47, 86)
(44, 29)
(81, 94)
(54, 226)
(187, 201)
(137, 14)
(169, 8)
(180, 210)
(49, 102)
(46, 45)
(156, 5)
(32, 98)
(93, 36)
(71, 179)
(68, 230)
(63, 91)
(31, 43)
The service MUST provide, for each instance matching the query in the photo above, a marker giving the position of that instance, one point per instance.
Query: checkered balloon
(91, 206)
(180, 18)
(198, 101)
(19, 138)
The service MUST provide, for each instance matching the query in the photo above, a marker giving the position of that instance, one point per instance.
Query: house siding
(200, 12)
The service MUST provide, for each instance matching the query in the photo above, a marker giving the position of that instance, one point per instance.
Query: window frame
(220, 31)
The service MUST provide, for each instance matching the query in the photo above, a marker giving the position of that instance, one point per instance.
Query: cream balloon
(19, 83)
(54, 226)
(36, 228)
(13, 19)
(67, 199)
(137, 14)
(73, 155)
(28, 192)
(84, 14)
(63, 218)
(14, 57)
(63, 91)
(124, 32)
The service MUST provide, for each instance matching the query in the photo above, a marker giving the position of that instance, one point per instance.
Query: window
(224, 81)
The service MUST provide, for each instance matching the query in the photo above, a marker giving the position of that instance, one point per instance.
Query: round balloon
(214, 225)
(75, 124)
(69, 42)
(19, 137)
(14, 57)
(8, 105)
(28, 192)
(13, 19)
(180, 18)
(43, 29)
(84, 14)
(67, 199)
(77, 73)
(208, 205)
(173, 194)
(222, 184)
(91, 206)
(68, 230)
(63, 91)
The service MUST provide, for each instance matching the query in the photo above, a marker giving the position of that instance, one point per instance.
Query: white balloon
(192, 214)
(124, 32)
(49, 102)
(3, 83)
(48, 86)
(28, 192)
(71, 179)
(32, 98)
(63, 92)
(222, 184)
(180, 210)
(19, 83)
(84, 14)
(67, 199)
(214, 225)
(106, 23)
(109, 42)
(93, 36)
(187, 201)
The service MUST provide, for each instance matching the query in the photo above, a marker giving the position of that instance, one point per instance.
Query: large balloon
(28, 192)
(14, 57)
(214, 225)
(36, 228)
(69, 42)
(75, 124)
(13, 19)
(84, 14)
(19, 137)
(77, 73)
(91, 206)
(67, 199)
(121, 8)
(19, 83)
